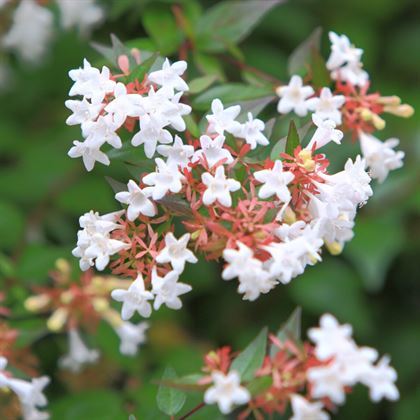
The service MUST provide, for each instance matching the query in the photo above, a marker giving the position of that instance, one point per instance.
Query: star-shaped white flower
(30, 393)
(151, 133)
(252, 132)
(305, 410)
(166, 178)
(327, 106)
(275, 182)
(222, 119)
(134, 299)
(226, 391)
(219, 187)
(325, 133)
(167, 290)
(103, 130)
(237, 260)
(294, 97)
(131, 336)
(137, 200)
(331, 338)
(342, 51)
(124, 105)
(380, 156)
(176, 252)
(89, 151)
(83, 111)
(178, 153)
(170, 75)
(213, 150)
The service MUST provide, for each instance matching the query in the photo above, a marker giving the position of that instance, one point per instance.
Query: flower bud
(36, 303)
(334, 248)
(57, 320)
(403, 110)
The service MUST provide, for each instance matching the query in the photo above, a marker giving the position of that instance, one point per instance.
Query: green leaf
(254, 106)
(139, 72)
(301, 57)
(185, 383)
(160, 24)
(192, 126)
(259, 385)
(201, 83)
(252, 357)
(116, 186)
(293, 140)
(12, 224)
(210, 65)
(291, 330)
(230, 93)
(320, 74)
(170, 400)
(229, 22)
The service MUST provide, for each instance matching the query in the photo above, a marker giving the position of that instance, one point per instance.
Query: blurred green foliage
(373, 285)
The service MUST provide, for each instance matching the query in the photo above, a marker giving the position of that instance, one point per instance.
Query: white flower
(237, 260)
(137, 200)
(170, 75)
(90, 82)
(219, 187)
(166, 178)
(327, 106)
(324, 133)
(275, 182)
(124, 105)
(167, 290)
(31, 30)
(131, 336)
(304, 410)
(294, 97)
(327, 381)
(178, 154)
(176, 252)
(102, 131)
(83, 14)
(151, 133)
(79, 354)
(30, 393)
(213, 150)
(380, 156)
(287, 232)
(89, 151)
(83, 111)
(222, 119)
(4, 380)
(342, 51)
(226, 391)
(380, 380)
(251, 131)
(331, 338)
(134, 299)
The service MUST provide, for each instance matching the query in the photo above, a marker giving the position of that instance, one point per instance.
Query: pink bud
(124, 64)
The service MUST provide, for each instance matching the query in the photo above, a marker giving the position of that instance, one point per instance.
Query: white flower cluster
(165, 290)
(32, 27)
(350, 364)
(345, 62)
(100, 120)
(30, 393)
(94, 244)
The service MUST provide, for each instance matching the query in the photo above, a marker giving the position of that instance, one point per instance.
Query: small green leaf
(185, 383)
(210, 65)
(230, 93)
(254, 106)
(116, 186)
(259, 385)
(201, 83)
(320, 74)
(301, 57)
(252, 357)
(192, 126)
(139, 72)
(291, 330)
(293, 140)
(170, 400)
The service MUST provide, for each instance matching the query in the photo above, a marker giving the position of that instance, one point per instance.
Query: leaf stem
(194, 410)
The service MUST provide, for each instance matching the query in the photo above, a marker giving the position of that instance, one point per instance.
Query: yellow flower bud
(36, 303)
(57, 320)
(404, 110)
(334, 247)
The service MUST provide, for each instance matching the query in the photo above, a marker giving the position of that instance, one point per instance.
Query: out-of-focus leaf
(293, 139)
(208, 64)
(116, 186)
(230, 93)
(93, 405)
(320, 74)
(229, 22)
(192, 126)
(259, 385)
(185, 383)
(176, 205)
(11, 225)
(170, 400)
(301, 56)
(161, 25)
(251, 359)
(7, 268)
(254, 106)
(201, 83)
(374, 248)
(291, 330)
